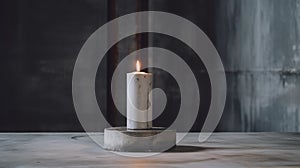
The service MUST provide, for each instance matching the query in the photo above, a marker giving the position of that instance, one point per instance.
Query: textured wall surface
(39, 43)
(259, 41)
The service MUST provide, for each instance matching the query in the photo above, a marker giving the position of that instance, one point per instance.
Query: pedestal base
(122, 139)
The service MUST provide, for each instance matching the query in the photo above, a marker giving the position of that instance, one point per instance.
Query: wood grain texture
(221, 150)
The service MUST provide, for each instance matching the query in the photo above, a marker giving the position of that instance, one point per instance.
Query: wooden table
(221, 150)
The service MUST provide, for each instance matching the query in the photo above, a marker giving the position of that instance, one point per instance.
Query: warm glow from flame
(138, 66)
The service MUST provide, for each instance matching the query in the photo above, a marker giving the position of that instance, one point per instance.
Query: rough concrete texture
(151, 140)
(226, 150)
(259, 41)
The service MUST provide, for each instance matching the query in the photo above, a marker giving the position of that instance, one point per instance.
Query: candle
(139, 99)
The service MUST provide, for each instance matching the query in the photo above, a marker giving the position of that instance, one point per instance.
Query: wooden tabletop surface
(221, 150)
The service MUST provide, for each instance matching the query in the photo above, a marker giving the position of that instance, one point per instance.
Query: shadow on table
(182, 149)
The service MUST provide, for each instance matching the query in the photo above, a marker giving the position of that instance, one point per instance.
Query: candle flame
(138, 66)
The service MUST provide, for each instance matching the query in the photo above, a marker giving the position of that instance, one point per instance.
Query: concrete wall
(259, 41)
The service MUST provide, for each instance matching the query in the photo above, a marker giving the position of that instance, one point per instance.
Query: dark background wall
(40, 41)
(257, 40)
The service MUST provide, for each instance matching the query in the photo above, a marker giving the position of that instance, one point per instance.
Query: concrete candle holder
(139, 135)
(122, 139)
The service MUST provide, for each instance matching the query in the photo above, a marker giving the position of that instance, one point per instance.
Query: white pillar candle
(139, 99)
